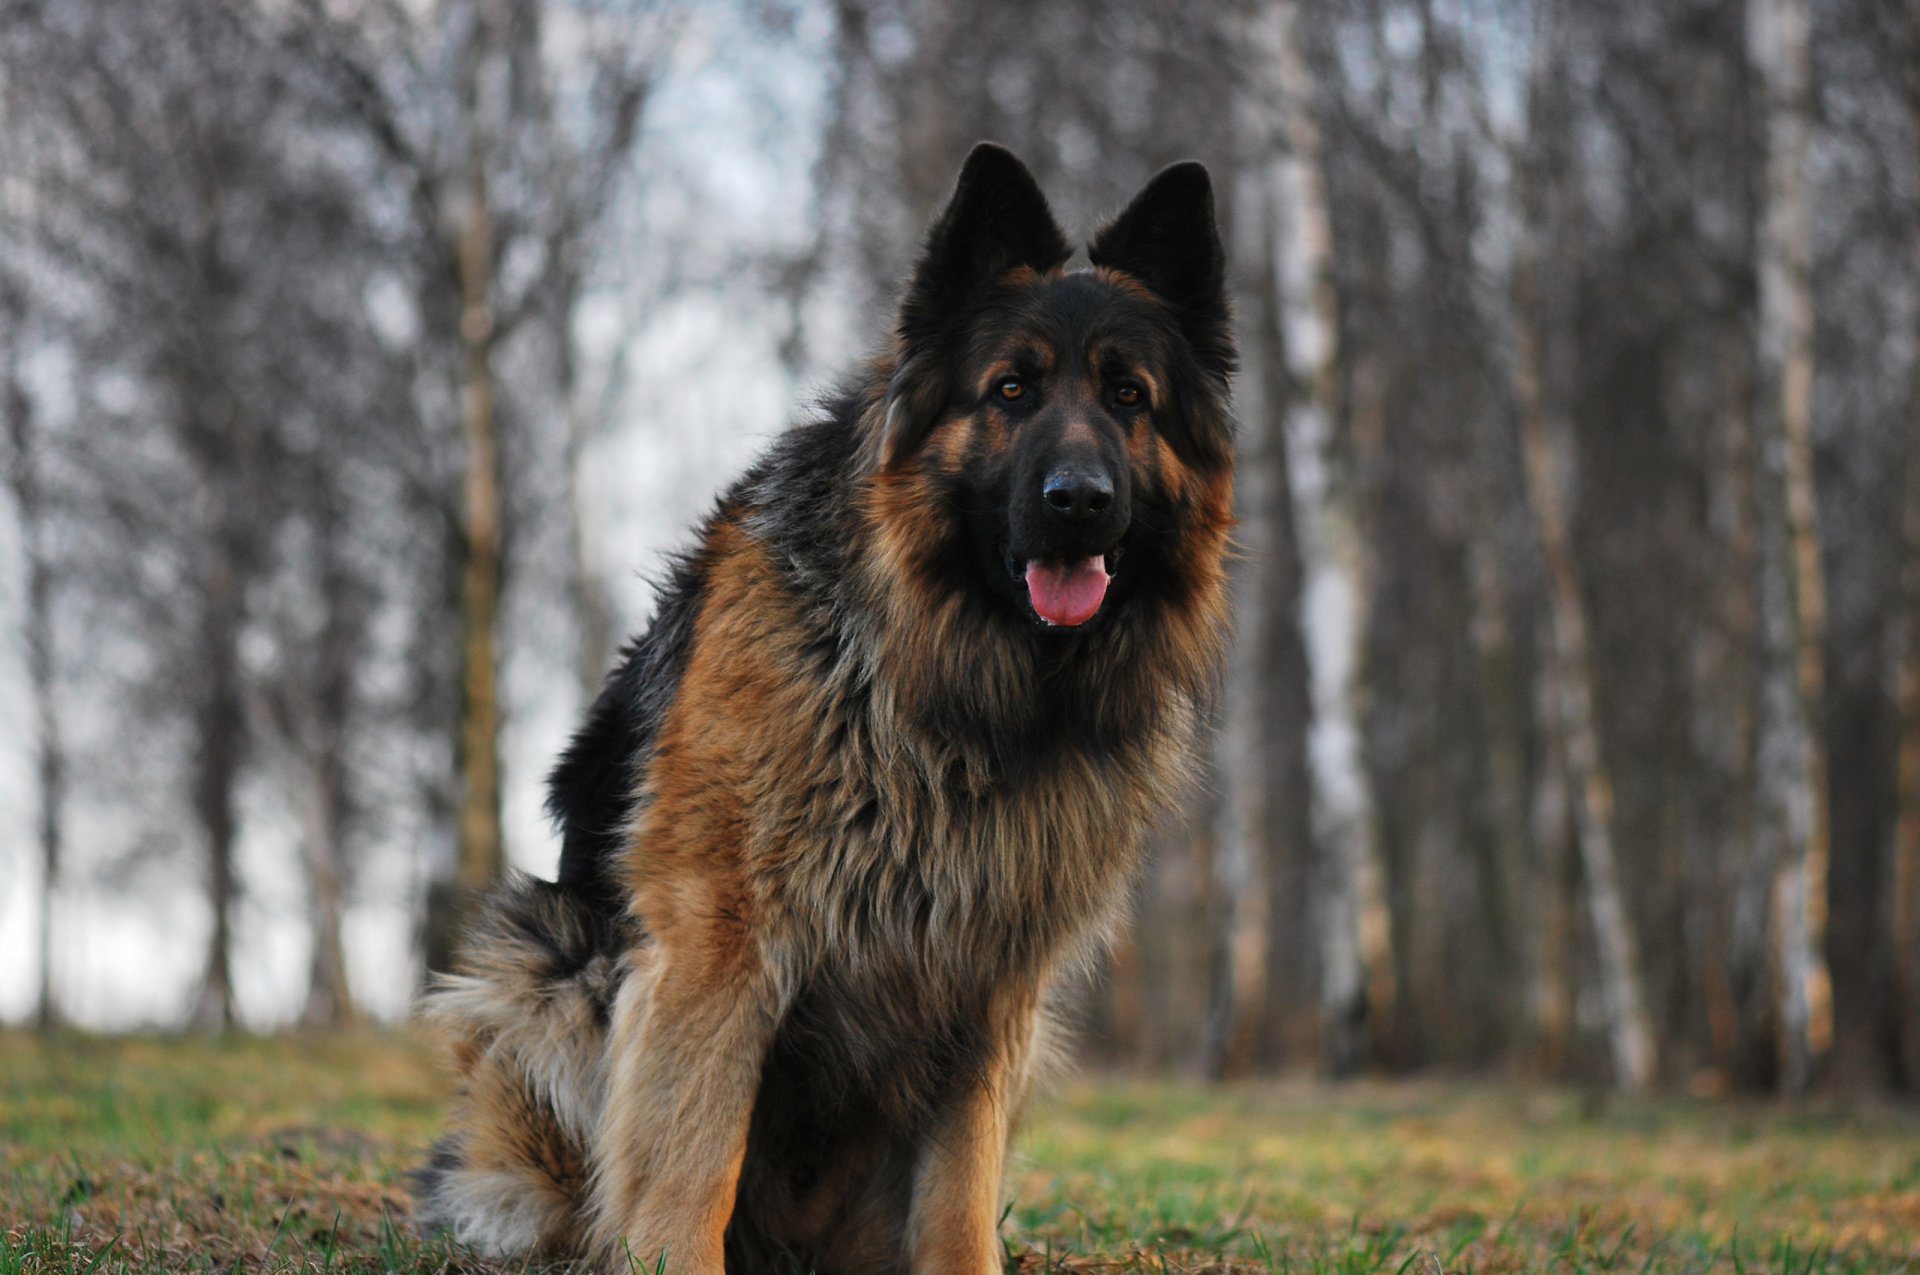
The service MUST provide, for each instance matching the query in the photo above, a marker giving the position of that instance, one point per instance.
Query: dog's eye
(1010, 389)
(1128, 394)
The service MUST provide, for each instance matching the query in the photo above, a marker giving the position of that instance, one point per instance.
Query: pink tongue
(1067, 593)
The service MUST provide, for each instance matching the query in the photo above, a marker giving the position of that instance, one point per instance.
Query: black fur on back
(590, 793)
(797, 496)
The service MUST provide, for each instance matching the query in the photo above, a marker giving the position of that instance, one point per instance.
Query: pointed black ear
(1168, 240)
(996, 220)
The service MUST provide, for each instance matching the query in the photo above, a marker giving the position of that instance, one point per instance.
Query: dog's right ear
(995, 222)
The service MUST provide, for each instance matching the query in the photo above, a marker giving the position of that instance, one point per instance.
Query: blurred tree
(220, 266)
(312, 703)
(1906, 850)
(1241, 856)
(482, 856)
(1793, 747)
(149, 213)
(26, 480)
(1570, 673)
(1336, 468)
(508, 152)
(1905, 876)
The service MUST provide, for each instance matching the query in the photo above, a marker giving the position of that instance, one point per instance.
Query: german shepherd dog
(873, 783)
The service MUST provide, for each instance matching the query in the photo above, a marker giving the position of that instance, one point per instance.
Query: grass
(290, 1154)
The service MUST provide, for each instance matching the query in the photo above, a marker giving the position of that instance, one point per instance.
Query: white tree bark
(1793, 768)
(1242, 835)
(1569, 674)
(1357, 985)
(1570, 679)
(25, 477)
(482, 853)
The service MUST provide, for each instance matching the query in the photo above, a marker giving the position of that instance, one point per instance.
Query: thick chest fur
(933, 875)
(896, 878)
(786, 775)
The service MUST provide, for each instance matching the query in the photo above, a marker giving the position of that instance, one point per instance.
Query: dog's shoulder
(797, 502)
(801, 500)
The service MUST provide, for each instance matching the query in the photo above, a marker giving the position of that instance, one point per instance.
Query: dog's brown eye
(1010, 388)
(1128, 394)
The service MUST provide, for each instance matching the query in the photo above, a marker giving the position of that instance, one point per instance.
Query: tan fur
(957, 1183)
(689, 1032)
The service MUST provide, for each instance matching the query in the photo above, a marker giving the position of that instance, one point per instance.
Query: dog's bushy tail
(525, 1017)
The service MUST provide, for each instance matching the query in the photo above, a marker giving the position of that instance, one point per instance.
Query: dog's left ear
(1167, 239)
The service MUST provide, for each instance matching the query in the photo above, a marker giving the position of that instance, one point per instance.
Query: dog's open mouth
(1066, 593)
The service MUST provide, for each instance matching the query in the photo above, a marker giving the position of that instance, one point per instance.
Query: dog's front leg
(954, 1225)
(689, 1032)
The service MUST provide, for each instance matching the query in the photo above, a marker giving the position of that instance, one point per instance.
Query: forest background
(360, 361)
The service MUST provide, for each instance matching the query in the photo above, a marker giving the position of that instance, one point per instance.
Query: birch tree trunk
(227, 449)
(329, 996)
(1356, 941)
(1569, 676)
(1514, 857)
(1569, 670)
(481, 854)
(479, 850)
(1727, 911)
(219, 743)
(230, 477)
(1737, 671)
(1550, 898)
(322, 731)
(1501, 690)
(24, 476)
(1906, 827)
(593, 610)
(1793, 769)
(1242, 833)
(588, 409)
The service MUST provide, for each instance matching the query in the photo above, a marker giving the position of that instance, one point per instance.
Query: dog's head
(1065, 425)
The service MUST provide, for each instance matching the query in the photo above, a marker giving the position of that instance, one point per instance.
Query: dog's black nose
(1077, 492)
